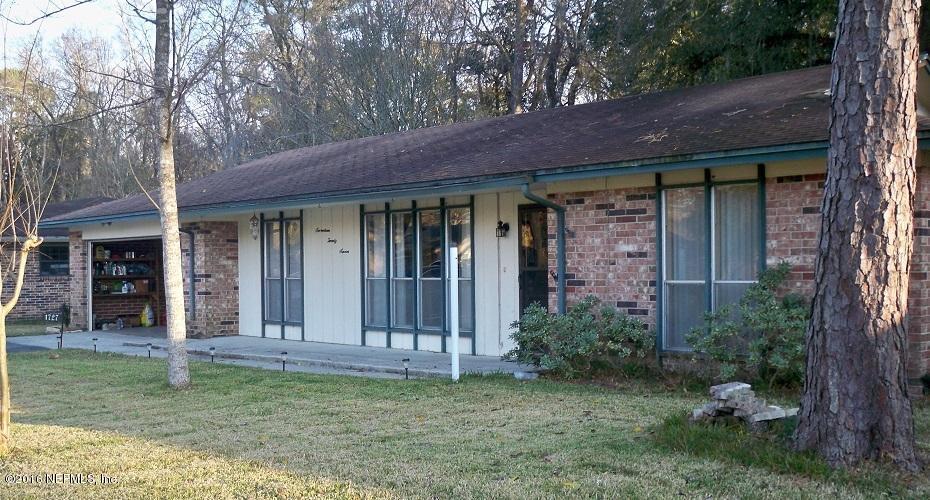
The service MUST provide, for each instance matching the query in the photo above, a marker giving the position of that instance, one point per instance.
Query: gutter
(560, 241)
(190, 271)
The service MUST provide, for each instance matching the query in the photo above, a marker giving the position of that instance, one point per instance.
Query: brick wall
(77, 254)
(610, 249)
(216, 278)
(40, 294)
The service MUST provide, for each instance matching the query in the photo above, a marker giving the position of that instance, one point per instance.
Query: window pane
(685, 233)
(466, 319)
(293, 248)
(430, 244)
(737, 240)
(402, 315)
(376, 302)
(272, 250)
(685, 310)
(431, 303)
(376, 245)
(273, 299)
(460, 236)
(402, 236)
(730, 294)
(295, 305)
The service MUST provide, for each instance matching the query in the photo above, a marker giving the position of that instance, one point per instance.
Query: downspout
(560, 241)
(190, 272)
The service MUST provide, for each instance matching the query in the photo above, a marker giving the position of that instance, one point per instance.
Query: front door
(532, 231)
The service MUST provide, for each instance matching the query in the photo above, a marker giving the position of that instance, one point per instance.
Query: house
(665, 204)
(47, 280)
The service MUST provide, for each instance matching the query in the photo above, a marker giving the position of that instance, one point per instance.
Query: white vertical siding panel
(250, 282)
(509, 270)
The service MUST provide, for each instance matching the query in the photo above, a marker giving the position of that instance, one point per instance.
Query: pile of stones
(737, 401)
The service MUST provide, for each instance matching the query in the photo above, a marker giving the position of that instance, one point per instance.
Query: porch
(266, 353)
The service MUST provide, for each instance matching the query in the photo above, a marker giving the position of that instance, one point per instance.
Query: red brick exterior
(611, 249)
(216, 279)
(40, 294)
(77, 254)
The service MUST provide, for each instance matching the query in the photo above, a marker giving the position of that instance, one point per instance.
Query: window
(413, 288)
(729, 228)
(283, 278)
(53, 259)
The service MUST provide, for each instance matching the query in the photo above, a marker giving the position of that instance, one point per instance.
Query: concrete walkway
(312, 357)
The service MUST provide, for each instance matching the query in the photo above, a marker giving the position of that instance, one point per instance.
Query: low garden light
(95, 344)
(149, 347)
(61, 340)
(283, 361)
(502, 229)
(212, 353)
(253, 226)
(406, 362)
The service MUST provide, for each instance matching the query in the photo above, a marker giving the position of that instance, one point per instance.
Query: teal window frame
(660, 284)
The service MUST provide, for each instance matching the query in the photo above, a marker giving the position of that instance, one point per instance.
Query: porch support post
(560, 242)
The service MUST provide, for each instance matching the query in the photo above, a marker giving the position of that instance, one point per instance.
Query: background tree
(855, 404)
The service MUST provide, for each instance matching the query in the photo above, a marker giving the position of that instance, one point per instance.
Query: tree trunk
(5, 438)
(178, 375)
(515, 99)
(855, 405)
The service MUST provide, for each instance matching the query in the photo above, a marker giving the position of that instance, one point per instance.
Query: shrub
(761, 336)
(580, 342)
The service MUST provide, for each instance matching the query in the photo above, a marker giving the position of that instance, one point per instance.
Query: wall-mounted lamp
(502, 229)
(253, 226)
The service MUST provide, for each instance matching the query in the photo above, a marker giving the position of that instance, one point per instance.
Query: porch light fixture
(149, 347)
(502, 229)
(283, 360)
(95, 344)
(253, 226)
(212, 353)
(406, 362)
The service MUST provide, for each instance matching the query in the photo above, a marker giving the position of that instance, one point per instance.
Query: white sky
(98, 17)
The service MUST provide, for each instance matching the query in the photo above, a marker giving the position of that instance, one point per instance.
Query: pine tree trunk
(855, 404)
(515, 99)
(178, 375)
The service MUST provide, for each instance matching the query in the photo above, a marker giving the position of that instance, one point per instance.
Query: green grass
(26, 327)
(242, 432)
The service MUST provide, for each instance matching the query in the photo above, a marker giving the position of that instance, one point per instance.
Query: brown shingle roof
(771, 110)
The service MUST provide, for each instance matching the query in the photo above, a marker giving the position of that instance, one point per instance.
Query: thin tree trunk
(178, 375)
(855, 404)
(515, 99)
(5, 438)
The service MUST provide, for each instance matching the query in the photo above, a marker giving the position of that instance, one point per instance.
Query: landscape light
(149, 346)
(406, 362)
(283, 360)
(95, 344)
(212, 353)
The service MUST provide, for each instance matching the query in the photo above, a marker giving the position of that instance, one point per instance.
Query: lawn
(249, 433)
(26, 327)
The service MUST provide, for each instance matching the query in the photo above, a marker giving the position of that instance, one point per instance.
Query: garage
(127, 284)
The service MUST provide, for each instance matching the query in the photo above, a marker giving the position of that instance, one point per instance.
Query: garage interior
(126, 277)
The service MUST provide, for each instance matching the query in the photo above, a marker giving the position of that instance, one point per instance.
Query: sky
(97, 17)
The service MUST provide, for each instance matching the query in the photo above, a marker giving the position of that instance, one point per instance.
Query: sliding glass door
(711, 234)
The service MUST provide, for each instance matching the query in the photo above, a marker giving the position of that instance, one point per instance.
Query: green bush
(761, 336)
(581, 342)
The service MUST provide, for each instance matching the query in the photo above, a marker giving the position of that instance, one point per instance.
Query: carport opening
(127, 277)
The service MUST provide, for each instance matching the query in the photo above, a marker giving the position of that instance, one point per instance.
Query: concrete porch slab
(266, 353)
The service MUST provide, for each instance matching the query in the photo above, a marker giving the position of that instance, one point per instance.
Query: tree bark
(30, 244)
(855, 404)
(178, 375)
(515, 98)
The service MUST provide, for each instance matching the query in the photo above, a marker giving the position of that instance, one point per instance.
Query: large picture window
(406, 282)
(283, 270)
(712, 247)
